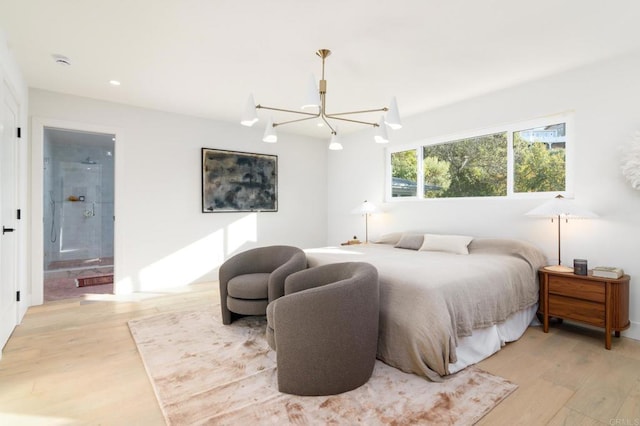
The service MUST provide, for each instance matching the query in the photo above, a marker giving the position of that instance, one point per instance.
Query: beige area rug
(205, 373)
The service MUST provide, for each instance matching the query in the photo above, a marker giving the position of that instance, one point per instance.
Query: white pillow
(448, 243)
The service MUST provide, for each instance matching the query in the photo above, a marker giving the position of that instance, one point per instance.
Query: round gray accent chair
(325, 329)
(253, 278)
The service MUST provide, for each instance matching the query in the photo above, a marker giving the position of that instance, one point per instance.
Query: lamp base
(558, 268)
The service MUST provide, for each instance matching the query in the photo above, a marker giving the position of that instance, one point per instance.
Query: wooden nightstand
(601, 302)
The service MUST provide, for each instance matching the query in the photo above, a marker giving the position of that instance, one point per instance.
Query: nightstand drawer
(577, 309)
(577, 288)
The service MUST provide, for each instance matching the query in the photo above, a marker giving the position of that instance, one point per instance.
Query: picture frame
(235, 181)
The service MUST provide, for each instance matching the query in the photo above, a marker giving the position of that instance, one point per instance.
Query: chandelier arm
(289, 110)
(324, 118)
(358, 112)
(295, 121)
(352, 121)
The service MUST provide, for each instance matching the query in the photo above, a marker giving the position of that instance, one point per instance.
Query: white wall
(162, 238)
(604, 98)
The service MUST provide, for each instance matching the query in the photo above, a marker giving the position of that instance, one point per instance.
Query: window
(514, 160)
(404, 173)
(539, 159)
(471, 167)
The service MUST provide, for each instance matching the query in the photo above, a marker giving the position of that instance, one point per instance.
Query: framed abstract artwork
(235, 181)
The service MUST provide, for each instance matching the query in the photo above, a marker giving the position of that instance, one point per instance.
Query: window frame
(510, 129)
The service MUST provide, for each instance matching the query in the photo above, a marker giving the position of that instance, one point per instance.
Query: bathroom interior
(78, 213)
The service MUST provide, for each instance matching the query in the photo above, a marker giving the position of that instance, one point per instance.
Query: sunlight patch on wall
(242, 231)
(185, 265)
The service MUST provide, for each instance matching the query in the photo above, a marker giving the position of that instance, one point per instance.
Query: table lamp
(560, 208)
(366, 209)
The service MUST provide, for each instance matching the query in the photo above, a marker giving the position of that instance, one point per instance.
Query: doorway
(78, 212)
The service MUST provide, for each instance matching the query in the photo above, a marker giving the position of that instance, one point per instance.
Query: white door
(8, 214)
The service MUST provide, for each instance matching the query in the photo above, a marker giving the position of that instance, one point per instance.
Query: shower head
(89, 161)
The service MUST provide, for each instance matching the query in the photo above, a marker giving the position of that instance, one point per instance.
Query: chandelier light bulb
(380, 135)
(393, 115)
(313, 94)
(270, 135)
(250, 116)
(334, 144)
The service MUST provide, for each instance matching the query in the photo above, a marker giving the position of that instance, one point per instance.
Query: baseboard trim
(633, 332)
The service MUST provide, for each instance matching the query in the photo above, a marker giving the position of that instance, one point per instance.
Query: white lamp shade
(312, 99)
(249, 116)
(380, 135)
(270, 135)
(562, 207)
(365, 208)
(334, 144)
(393, 115)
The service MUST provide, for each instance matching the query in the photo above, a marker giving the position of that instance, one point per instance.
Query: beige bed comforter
(429, 299)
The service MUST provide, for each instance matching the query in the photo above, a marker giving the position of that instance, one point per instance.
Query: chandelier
(316, 98)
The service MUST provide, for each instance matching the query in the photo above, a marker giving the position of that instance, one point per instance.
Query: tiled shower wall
(78, 202)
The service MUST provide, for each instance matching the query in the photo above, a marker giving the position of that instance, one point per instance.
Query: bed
(440, 308)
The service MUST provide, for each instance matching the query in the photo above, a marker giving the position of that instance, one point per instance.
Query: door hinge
(18, 296)
(18, 215)
(19, 132)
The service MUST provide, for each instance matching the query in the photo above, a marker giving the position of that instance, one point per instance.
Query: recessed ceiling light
(114, 82)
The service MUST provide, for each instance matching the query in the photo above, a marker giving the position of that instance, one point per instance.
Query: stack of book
(608, 272)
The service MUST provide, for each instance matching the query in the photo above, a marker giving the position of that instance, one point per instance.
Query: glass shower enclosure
(78, 203)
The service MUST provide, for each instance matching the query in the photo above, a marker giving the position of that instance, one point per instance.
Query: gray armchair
(325, 329)
(253, 278)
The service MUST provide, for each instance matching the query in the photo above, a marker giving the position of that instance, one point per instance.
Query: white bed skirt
(484, 342)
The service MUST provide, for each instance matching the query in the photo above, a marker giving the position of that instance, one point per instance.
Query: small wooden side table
(601, 302)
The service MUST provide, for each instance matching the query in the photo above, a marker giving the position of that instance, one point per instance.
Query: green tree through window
(539, 159)
(404, 173)
(473, 167)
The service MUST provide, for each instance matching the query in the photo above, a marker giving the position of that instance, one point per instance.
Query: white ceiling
(204, 57)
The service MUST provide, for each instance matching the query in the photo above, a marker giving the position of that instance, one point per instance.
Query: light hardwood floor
(74, 362)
